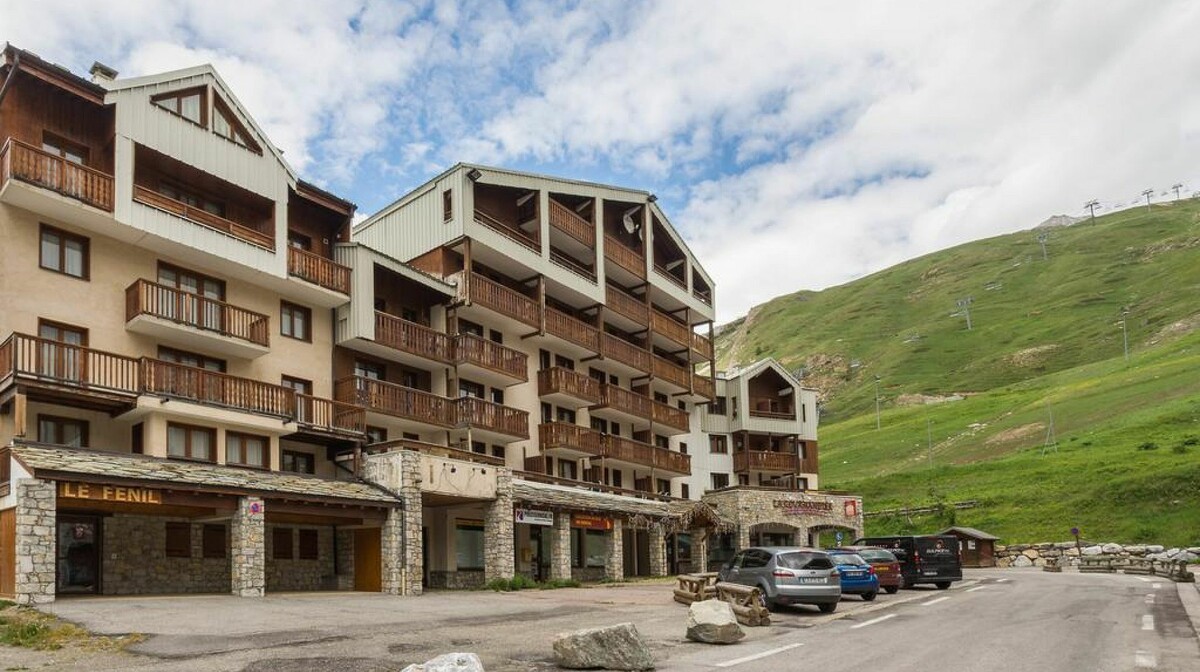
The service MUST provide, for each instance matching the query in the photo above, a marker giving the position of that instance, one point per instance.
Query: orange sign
(109, 493)
(591, 522)
(851, 508)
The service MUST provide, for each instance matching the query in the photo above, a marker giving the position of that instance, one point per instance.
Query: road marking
(764, 654)
(1150, 598)
(1147, 622)
(1001, 580)
(1144, 579)
(971, 590)
(1156, 586)
(940, 599)
(1144, 659)
(872, 621)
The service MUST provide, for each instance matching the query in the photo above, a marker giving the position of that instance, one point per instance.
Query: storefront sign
(533, 517)
(799, 507)
(591, 522)
(851, 508)
(109, 493)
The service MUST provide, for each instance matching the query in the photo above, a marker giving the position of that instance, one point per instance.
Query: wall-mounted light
(651, 198)
(474, 175)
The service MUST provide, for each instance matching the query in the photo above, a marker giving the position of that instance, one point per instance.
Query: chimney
(101, 73)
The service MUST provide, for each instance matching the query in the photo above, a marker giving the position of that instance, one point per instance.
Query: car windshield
(847, 559)
(803, 561)
(876, 555)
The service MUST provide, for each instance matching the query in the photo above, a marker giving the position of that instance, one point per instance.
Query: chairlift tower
(1042, 238)
(1091, 206)
(964, 308)
(1051, 443)
(1148, 193)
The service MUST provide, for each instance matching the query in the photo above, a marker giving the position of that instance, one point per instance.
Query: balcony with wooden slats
(194, 321)
(763, 460)
(216, 389)
(665, 463)
(412, 339)
(702, 346)
(506, 301)
(204, 218)
(23, 162)
(397, 401)
(623, 257)
(57, 372)
(567, 388)
(564, 439)
(495, 421)
(703, 386)
(316, 415)
(564, 219)
(622, 405)
(573, 330)
(622, 351)
(675, 331)
(312, 267)
(530, 240)
(668, 420)
(486, 361)
(627, 306)
(672, 373)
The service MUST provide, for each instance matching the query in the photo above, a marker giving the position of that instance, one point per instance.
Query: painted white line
(764, 654)
(971, 590)
(1157, 586)
(1147, 622)
(1150, 598)
(873, 621)
(1001, 580)
(940, 599)
(1144, 579)
(1144, 659)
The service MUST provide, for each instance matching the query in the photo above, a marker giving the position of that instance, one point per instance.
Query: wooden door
(368, 560)
(8, 555)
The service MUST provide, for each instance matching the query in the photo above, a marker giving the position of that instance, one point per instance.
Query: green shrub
(28, 634)
(1180, 449)
(1148, 445)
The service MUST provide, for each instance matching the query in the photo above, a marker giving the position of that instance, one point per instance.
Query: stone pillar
(344, 539)
(402, 553)
(36, 536)
(499, 553)
(800, 537)
(248, 551)
(614, 560)
(743, 538)
(700, 550)
(560, 546)
(658, 551)
(392, 555)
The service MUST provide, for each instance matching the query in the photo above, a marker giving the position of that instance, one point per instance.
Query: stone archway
(776, 534)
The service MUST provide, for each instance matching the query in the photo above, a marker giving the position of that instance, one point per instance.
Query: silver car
(787, 575)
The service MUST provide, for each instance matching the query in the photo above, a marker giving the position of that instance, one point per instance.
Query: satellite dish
(630, 225)
(525, 199)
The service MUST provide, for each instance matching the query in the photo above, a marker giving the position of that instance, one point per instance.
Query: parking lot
(1056, 618)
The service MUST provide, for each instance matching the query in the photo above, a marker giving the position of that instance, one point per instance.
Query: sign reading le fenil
(797, 507)
(533, 517)
(109, 493)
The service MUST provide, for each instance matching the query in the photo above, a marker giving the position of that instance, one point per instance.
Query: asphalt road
(1026, 621)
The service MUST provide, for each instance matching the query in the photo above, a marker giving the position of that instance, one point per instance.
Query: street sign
(1074, 531)
(837, 537)
(534, 517)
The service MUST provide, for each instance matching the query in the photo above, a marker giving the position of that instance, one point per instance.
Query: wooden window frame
(222, 108)
(300, 385)
(718, 439)
(63, 237)
(285, 455)
(59, 421)
(447, 205)
(210, 534)
(173, 550)
(200, 277)
(283, 551)
(176, 352)
(287, 310)
(242, 437)
(62, 144)
(212, 435)
(184, 93)
(309, 542)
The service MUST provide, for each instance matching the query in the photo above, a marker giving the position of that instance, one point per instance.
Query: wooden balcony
(761, 408)
(509, 231)
(557, 382)
(318, 270)
(576, 331)
(625, 352)
(703, 386)
(29, 164)
(624, 401)
(624, 257)
(627, 306)
(674, 330)
(669, 416)
(702, 346)
(564, 219)
(570, 440)
(412, 338)
(646, 455)
(397, 401)
(535, 471)
(671, 373)
(504, 300)
(50, 370)
(670, 277)
(326, 416)
(482, 414)
(202, 217)
(152, 299)
(761, 460)
(572, 264)
(437, 450)
(212, 388)
(512, 365)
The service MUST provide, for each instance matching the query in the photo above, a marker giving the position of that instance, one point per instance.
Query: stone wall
(247, 549)
(400, 472)
(588, 574)
(1067, 554)
(463, 579)
(36, 536)
(803, 511)
(135, 558)
(297, 574)
(498, 545)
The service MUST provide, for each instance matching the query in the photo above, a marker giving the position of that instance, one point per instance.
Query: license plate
(931, 573)
(855, 575)
(812, 580)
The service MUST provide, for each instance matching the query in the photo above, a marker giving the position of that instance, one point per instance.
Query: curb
(1189, 595)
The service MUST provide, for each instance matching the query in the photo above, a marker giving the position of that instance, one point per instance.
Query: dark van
(923, 559)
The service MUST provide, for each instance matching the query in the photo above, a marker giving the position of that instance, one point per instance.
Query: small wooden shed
(978, 547)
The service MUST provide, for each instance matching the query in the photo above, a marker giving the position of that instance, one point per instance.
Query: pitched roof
(970, 532)
(57, 461)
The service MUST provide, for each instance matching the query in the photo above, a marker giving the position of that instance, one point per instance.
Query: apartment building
(209, 382)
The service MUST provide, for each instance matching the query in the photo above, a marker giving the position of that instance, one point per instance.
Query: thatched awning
(674, 515)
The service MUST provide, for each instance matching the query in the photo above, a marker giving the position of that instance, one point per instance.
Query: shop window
(246, 450)
(191, 443)
(588, 548)
(213, 541)
(62, 431)
(310, 548)
(297, 462)
(468, 546)
(281, 543)
(295, 321)
(64, 253)
(179, 540)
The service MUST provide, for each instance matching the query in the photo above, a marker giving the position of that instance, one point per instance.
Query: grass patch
(31, 629)
(522, 582)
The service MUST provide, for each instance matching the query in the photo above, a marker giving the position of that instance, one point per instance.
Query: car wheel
(891, 590)
(827, 608)
(942, 585)
(869, 597)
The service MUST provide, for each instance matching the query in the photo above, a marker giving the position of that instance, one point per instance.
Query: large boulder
(1092, 550)
(450, 662)
(1112, 548)
(1022, 561)
(713, 622)
(616, 647)
(1187, 556)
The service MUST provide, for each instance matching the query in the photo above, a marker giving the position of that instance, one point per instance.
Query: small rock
(1031, 553)
(1136, 550)
(1093, 550)
(713, 622)
(1022, 561)
(1004, 562)
(1154, 548)
(450, 662)
(1171, 553)
(1073, 552)
(1111, 548)
(616, 647)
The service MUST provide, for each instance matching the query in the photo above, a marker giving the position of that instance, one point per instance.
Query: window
(310, 548)
(62, 431)
(227, 125)
(295, 321)
(718, 407)
(588, 548)
(566, 415)
(600, 425)
(376, 434)
(664, 486)
(189, 309)
(190, 443)
(683, 405)
(547, 412)
(175, 192)
(246, 450)
(191, 359)
(469, 327)
(683, 448)
(281, 543)
(71, 151)
(567, 469)
(478, 447)
(498, 451)
(297, 462)
(64, 253)
(467, 388)
(138, 439)
(803, 413)
(617, 477)
(213, 541)
(495, 336)
(179, 540)
(468, 545)
(720, 481)
(447, 205)
(497, 396)
(684, 491)
(299, 241)
(662, 442)
(300, 385)
(564, 362)
(660, 397)
(66, 361)
(188, 104)
(718, 443)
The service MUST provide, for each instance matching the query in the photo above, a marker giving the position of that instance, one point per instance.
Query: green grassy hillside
(1046, 340)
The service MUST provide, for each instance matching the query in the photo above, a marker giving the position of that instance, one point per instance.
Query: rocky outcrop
(616, 647)
(713, 622)
(450, 662)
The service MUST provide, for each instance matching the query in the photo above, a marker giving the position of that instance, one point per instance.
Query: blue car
(858, 576)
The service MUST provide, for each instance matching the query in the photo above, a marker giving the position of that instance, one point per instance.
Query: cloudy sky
(796, 145)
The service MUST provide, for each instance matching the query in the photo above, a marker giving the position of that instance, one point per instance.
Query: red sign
(851, 508)
(591, 522)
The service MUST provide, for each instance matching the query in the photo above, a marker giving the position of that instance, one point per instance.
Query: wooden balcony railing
(30, 164)
(564, 219)
(702, 346)
(436, 450)
(318, 270)
(43, 360)
(626, 401)
(202, 217)
(625, 352)
(512, 232)
(483, 414)
(644, 454)
(761, 460)
(673, 329)
(671, 416)
(144, 297)
(704, 296)
(472, 349)
(397, 400)
(415, 339)
(576, 331)
(557, 380)
(211, 388)
(674, 279)
(761, 408)
(572, 264)
(624, 257)
(703, 386)
(671, 372)
(624, 304)
(535, 472)
(552, 435)
(329, 415)
(503, 300)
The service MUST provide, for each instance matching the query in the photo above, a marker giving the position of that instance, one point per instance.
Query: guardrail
(32, 165)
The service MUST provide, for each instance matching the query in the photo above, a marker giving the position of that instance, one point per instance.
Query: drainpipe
(11, 75)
